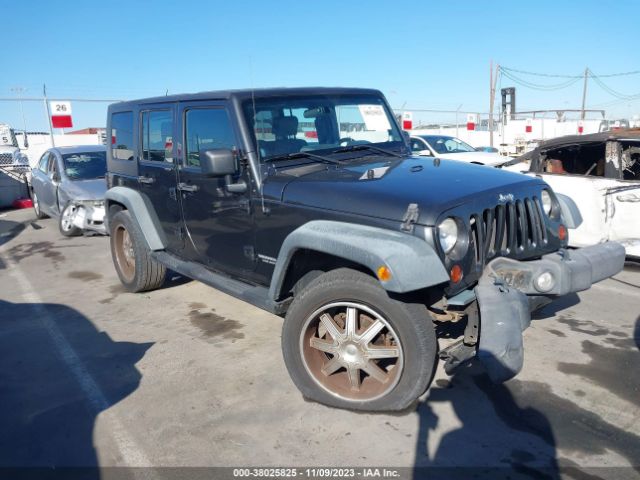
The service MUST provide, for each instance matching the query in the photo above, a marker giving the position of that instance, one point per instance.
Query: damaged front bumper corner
(505, 289)
(90, 217)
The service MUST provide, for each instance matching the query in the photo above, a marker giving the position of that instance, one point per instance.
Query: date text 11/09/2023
(321, 472)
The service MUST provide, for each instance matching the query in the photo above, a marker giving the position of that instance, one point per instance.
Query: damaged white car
(69, 184)
(601, 174)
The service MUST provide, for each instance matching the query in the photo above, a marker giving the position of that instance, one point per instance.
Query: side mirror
(425, 153)
(217, 162)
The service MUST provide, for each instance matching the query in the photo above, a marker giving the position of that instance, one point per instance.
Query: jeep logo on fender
(506, 197)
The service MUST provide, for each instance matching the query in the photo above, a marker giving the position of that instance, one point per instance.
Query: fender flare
(142, 211)
(414, 264)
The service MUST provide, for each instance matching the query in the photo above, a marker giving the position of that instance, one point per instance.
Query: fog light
(545, 282)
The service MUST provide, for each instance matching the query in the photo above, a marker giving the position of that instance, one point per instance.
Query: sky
(421, 55)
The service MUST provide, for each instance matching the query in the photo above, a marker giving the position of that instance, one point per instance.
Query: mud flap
(504, 314)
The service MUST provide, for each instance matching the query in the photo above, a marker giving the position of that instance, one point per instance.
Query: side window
(53, 164)
(417, 145)
(157, 136)
(206, 129)
(122, 136)
(42, 165)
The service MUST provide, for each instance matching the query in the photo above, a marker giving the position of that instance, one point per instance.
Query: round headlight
(448, 234)
(545, 197)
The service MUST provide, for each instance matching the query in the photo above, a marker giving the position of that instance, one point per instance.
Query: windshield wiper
(291, 156)
(355, 148)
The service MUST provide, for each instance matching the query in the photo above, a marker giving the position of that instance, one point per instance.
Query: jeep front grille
(513, 229)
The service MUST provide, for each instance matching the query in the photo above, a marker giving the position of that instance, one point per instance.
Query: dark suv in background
(308, 203)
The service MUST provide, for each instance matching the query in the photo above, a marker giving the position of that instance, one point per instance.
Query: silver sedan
(69, 184)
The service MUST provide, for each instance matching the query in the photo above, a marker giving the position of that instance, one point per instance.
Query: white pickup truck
(600, 172)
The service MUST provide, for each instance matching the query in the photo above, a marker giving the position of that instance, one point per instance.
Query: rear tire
(347, 344)
(138, 272)
(65, 222)
(36, 206)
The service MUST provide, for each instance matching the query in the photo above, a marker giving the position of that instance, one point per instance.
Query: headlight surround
(448, 234)
(547, 202)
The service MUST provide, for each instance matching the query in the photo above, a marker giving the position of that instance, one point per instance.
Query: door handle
(146, 180)
(187, 187)
(629, 197)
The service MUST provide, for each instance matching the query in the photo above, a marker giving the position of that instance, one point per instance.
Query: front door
(157, 170)
(219, 223)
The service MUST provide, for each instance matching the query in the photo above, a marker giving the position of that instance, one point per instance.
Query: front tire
(65, 223)
(138, 272)
(347, 344)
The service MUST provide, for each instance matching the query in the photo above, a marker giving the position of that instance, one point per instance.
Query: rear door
(157, 169)
(49, 190)
(39, 178)
(219, 223)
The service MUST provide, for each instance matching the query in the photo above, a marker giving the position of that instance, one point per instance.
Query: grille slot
(510, 229)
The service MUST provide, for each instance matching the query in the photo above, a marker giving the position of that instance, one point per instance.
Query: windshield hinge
(410, 217)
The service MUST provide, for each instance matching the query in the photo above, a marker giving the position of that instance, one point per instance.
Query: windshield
(286, 125)
(85, 165)
(444, 145)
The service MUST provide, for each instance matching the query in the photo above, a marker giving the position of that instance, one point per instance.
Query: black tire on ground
(36, 206)
(138, 272)
(64, 224)
(414, 335)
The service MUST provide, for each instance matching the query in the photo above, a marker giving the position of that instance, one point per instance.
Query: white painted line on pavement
(131, 453)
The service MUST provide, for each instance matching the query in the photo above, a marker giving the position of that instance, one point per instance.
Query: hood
(486, 158)
(385, 188)
(93, 189)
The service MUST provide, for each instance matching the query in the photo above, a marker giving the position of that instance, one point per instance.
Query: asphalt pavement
(186, 376)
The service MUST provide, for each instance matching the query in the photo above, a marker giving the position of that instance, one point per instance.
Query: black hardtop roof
(243, 94)
(591, 137)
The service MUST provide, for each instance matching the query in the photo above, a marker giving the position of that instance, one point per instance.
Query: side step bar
(253, 294)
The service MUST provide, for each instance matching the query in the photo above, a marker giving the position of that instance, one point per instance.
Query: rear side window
(122, 136)
(157, 136)
(206, 129)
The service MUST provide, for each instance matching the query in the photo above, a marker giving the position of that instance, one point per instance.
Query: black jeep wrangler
(307, 203)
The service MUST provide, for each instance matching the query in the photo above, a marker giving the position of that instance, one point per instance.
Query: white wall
(39, 143)
(514, 133)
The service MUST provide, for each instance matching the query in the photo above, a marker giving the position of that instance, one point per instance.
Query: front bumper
(90, 218)
(506, 286)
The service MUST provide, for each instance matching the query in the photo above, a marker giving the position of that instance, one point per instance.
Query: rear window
(122, 136)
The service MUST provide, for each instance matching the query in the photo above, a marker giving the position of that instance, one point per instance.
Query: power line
(610, 90)
(525, 72)
(539, 74)
(539, 86)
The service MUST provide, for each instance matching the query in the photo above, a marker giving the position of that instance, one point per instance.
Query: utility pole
(492, 95)
(19, 91)
(46, 106)
(584, 92)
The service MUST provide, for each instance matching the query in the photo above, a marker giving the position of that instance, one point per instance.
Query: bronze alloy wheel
(125, 255)
(351, 351)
